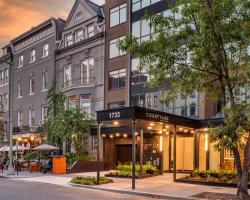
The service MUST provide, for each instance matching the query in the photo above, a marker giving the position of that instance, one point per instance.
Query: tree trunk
(243, 193)
(238, 168)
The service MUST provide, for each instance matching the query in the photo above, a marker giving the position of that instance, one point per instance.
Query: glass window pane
(136, 29)
(114, 18)
(145, 3)
(145, 27)
(123, 15)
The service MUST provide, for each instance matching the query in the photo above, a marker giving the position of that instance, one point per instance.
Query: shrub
(90, 180)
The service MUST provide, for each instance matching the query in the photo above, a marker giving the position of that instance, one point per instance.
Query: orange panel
(59, 165)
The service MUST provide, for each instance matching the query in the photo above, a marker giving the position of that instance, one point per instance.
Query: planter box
(129, 177)
(199, 182)
(86, 166)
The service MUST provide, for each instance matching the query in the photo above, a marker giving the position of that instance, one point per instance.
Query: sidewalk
(160, 185)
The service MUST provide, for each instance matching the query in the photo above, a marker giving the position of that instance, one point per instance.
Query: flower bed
(125, 171)
(222, 178)
(90, 180)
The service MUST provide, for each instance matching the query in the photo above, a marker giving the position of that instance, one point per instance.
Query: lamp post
(10, 167)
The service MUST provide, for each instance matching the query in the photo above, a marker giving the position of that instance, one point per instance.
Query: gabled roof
(91, 6)
(95, 7)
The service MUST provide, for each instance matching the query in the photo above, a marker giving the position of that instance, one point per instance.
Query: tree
(70, 125)
(202, 45)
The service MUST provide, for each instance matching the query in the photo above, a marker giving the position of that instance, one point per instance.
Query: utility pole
(10, 167)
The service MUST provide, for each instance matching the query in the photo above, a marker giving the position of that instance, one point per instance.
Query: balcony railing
(78, 82)
(25, 129)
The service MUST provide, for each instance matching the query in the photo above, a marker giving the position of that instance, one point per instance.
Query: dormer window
(78, 16)
(79, 35)
(68, 40)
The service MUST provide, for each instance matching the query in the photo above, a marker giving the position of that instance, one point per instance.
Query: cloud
(18, 16)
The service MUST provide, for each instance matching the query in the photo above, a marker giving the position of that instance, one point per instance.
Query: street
(17, 190)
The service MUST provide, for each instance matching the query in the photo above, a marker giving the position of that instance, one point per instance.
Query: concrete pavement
(159, 185)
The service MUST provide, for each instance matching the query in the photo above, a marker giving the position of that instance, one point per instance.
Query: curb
(128, 192)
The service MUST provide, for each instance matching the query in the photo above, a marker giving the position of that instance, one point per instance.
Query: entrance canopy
(137, 122)
(125, 115)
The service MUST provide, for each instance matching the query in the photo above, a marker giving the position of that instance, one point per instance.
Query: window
(4, 102)
(31, 117)
(142, 30)
(90, 31)
(155, 101)
(20, 89)
(193, 95)
(78, 16)
(72, 101)
(149, 101)
(67, 76)
(45, 77)
(20, 119)
(114, 50)
(6, 76)
(20, 61)
(138, 100)
(139, 4)
(118, 15)
(45, 50)
(228, 154)
(85, 103)
(192, 109)
(32, 85)
(136, 75)
(116, 105)
(69, 40)
(44, 113)
(184, 111)
(79, 35)
(87, 70)
(117, 79)
(32, 55)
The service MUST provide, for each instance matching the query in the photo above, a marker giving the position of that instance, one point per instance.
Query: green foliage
(199, 45)
(70, 125)
(223, 176)
(126, 169)
(71, 158)
(90, 180)
(234, 132)
(37, 155)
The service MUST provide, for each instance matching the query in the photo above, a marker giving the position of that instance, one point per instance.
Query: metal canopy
(139, 113)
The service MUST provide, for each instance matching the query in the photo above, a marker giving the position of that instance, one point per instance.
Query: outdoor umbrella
(4, 149)
(14, 148)
(45, 147)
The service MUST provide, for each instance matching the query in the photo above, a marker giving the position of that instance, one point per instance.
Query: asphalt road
(17, 190)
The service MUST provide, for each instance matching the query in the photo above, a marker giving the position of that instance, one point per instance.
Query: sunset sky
(18, 16)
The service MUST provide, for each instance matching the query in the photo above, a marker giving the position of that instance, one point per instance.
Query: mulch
(215, 196)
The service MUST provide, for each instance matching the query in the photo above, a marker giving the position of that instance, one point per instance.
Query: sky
(18, 16)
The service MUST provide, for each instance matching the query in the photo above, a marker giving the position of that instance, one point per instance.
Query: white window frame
(19, 112)
(78, 39)
(20, 61)
(90, 33)
(118, 10)
(45, 50)
(114, 44)
(32, 55)
(31, 89)
(20, 89)
(43, 116)
(31, 117)
(44, 81)
(69, 42)
(68, 77)
(89, 78)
